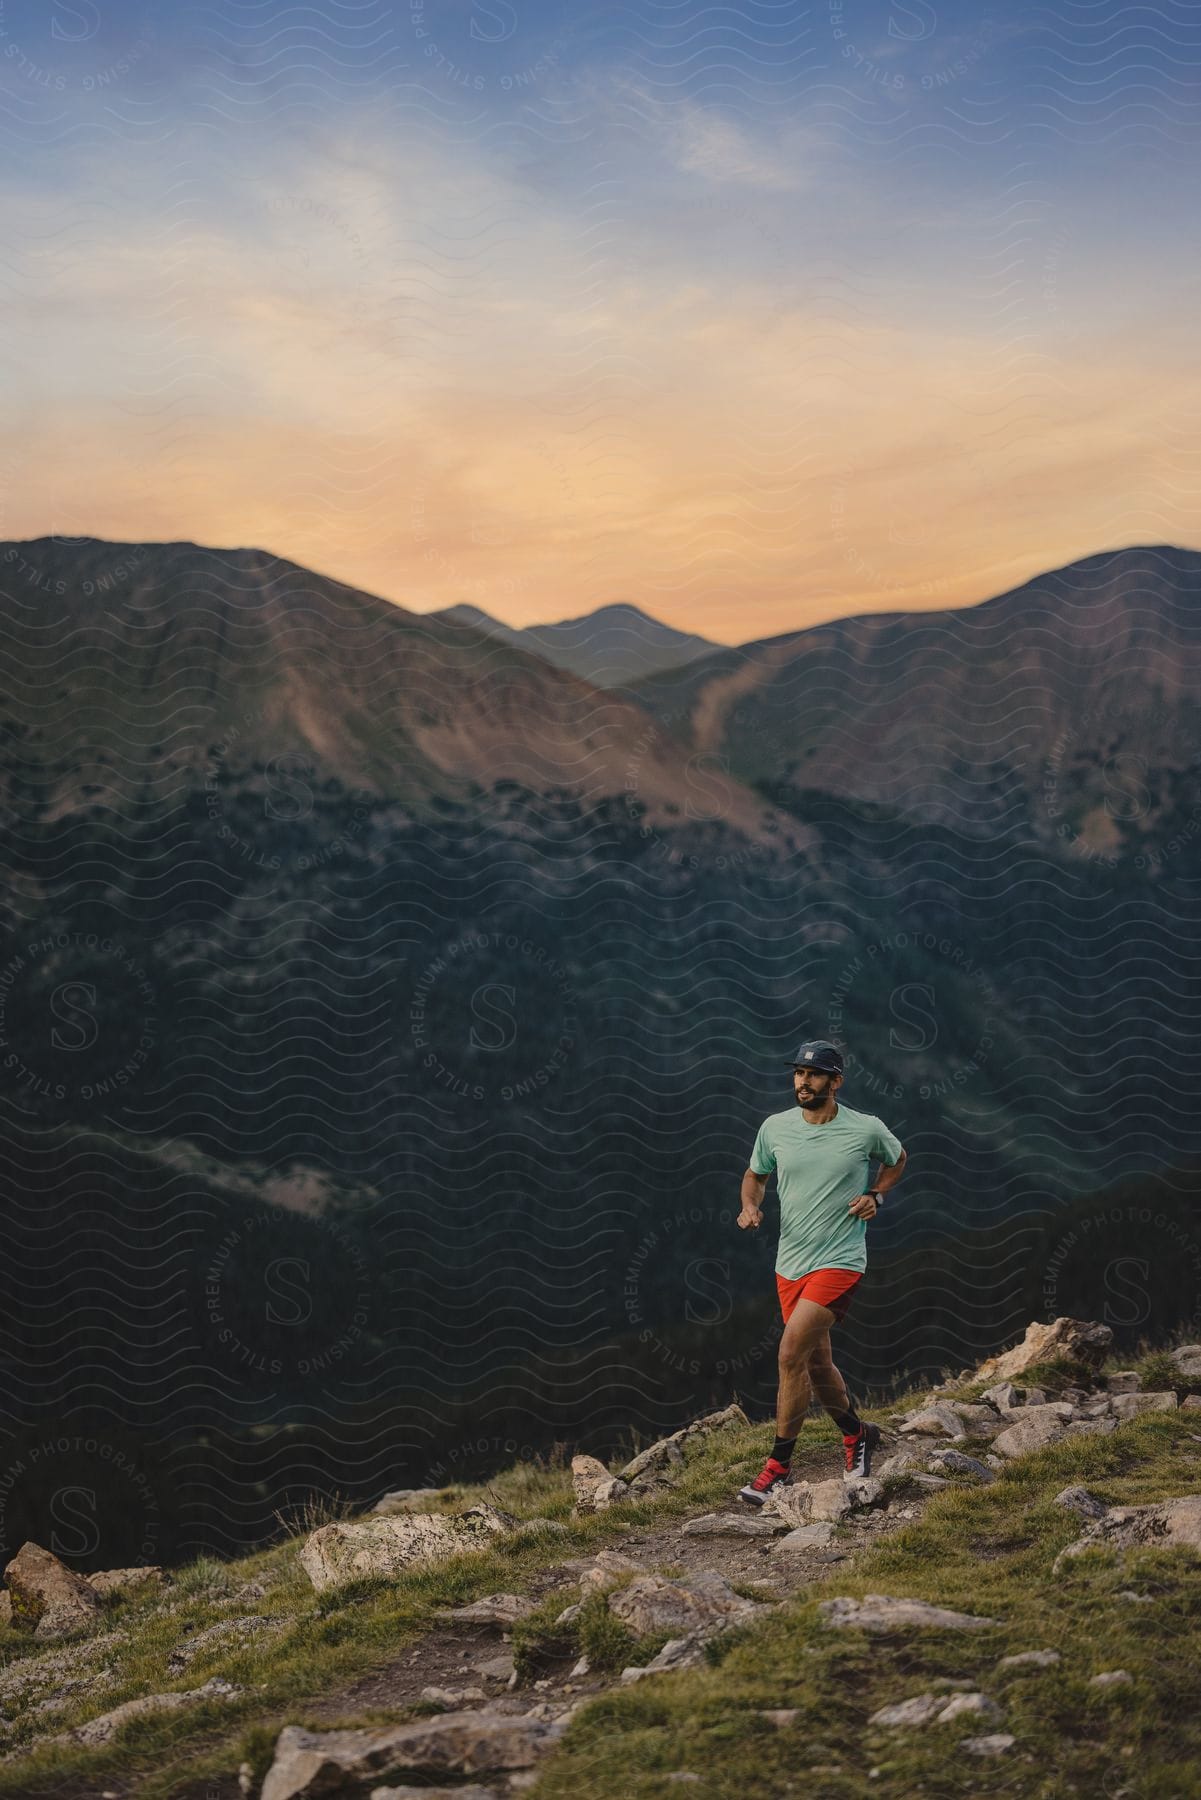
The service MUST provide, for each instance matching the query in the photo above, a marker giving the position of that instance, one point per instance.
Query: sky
(749, 315)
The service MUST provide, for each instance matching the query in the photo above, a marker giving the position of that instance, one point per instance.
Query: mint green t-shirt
(819, 1168)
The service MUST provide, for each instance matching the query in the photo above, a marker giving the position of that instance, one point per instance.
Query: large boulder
(47, 1598)
(1129, 1406)
(1074, 1340)
(116, 1581)
(1033, 1429)
(886, 1612)
(1187, 1358)
(311, 1763)
(1160, 1526)
(594, 1488)
(698, 1602)
(937, 1420)
(335, 1554)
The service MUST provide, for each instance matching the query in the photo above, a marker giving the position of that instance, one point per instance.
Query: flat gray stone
(994, 1743)
(1129, 1406)
(1112, 1678)
(954, 1462)
(743, 1525)
(310, 1763)
(888, 1612)
(1079, 1500)
(804, 1537)
(1031, 1659)
(501, 1610)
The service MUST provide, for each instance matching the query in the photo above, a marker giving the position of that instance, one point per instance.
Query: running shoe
(859, 1453)
(772, 1475)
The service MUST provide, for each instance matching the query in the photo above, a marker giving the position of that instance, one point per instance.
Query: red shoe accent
(770, 1476)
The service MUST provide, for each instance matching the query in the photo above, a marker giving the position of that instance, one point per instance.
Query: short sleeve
(883, 1143)
(763, 1157)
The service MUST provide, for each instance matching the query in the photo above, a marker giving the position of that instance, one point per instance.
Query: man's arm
(890, 1173)
(753, 1189)
(863, 1206)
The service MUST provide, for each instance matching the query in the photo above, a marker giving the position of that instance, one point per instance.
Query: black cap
(818, 1054)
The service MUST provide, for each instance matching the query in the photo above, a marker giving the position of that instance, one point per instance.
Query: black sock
(849, 1423)
(782, 1449)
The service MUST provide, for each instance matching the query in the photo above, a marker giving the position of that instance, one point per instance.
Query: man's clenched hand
(750, 1218)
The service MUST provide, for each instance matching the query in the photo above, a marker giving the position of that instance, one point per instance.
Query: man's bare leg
(829, 1387)
(831, 1392)
(803, 1335)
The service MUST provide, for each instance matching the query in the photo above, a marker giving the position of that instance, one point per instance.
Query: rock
(780, 1716)
(954, 1462)
(981, 1421)
(112, 1581)
(830, 1500)
(1076, 1340)
(1187, 1358)
(493, 1609)
(977, 1706)
(402, 1500)
(933, 1482)
(1126, 1381)
(232, 1633)
(1097, 1409)
(1112, 1678)
(1031, 1659)
(917, 1711)
(1034, 1396)
(1034, 1429)
(996, 1743)
(886, 1612)
(729, 1418)
(568, 1614)
(677, 1653)
(668, 1453)
(1091, 1427)
(1128, 1406)
(582, 1667)
(452, 1697)
(939, 1420)
(1159, 1526)
(423, 1793)
(1191, 1403)
(594, 1488)
(100, 1730)
(608, 1566)
(334, 1554)
(862, 1493)
(1079, 1500)
(691, 1603)
(935, 1709)
(496, 1668)
(746, 1525)
(790, 1503)
(463, 1743)
(908, 1456)
(1002, 1395)
(47, 1598)
(681, 1777)
(804, 1537)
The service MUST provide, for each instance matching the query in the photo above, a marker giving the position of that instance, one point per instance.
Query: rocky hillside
(1014, 1590)
(132, 672)
(1071, 704)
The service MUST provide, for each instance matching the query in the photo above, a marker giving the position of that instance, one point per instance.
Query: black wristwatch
(877, 1196)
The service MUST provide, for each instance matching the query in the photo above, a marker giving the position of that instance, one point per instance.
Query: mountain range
(386, 1013)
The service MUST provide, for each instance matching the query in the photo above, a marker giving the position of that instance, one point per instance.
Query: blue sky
(751, 315)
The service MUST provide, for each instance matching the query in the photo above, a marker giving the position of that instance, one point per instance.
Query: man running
(820, 1152)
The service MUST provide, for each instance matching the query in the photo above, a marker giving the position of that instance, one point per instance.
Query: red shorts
(828, 1287)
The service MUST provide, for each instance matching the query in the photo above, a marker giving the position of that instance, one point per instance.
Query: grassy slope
(987, 1550)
